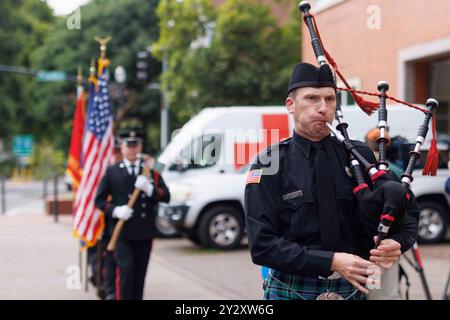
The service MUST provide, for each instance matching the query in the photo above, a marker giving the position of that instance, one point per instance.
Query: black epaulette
(279, 145)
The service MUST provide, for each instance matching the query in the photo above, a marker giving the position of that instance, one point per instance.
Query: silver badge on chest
(348, 171)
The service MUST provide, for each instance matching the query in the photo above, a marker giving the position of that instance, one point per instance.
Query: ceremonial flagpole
(80, 249)
(86, 261)
(99, 252)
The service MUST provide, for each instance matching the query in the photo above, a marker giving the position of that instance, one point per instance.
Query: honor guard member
(133, 248)
(109, 263)
(301, 215)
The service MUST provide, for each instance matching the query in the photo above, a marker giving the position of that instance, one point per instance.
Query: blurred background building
(406, 43)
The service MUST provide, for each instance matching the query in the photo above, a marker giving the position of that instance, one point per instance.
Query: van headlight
(180, 192)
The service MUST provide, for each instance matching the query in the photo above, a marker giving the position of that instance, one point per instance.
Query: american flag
(254, 176)
(98, 146)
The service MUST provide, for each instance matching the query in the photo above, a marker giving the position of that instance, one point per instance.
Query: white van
(209, 210)
(223, 139)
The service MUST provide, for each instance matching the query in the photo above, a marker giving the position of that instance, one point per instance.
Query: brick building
(406, 43)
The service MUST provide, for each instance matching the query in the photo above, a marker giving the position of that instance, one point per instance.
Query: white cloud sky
(64, 7)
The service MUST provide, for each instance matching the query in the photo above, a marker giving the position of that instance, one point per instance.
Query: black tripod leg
(419, 268)
(445, 295)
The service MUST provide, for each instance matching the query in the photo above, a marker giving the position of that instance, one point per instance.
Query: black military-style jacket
(118, 183)
(282, 215)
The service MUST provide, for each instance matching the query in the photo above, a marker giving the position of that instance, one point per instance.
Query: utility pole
(164, 109)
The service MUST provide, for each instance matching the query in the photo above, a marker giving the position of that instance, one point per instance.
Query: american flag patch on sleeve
(254, 176)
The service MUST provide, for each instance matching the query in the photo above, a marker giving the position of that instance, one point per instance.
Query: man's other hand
(387, 253)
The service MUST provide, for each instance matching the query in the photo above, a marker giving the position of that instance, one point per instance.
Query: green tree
(247, 62)
(181, 23)
(132, 25)
(23, 26)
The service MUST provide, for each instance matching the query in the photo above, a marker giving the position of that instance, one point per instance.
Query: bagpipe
(386, 200)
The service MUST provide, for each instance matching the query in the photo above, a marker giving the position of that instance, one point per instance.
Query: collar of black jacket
(305, 145)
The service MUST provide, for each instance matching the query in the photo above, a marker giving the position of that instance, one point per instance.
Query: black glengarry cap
(308, 75)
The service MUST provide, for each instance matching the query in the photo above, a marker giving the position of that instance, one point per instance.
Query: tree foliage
(237, 54)
(23, 26)
(132, 24)
(246, 60)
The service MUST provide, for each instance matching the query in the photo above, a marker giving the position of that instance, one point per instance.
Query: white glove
(143, 183)
(122, 212)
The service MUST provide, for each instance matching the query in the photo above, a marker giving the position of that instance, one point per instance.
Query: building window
(322, 5)
(439, 89)
(344, 97)
(442, 117)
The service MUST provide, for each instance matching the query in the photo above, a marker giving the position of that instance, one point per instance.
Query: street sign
(22, 145)
(51, 76)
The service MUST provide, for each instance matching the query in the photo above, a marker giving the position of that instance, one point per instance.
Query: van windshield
(202, 152)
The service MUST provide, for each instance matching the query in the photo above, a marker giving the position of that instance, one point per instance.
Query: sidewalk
(36, 254)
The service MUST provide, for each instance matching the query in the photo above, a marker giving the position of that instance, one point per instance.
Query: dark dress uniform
(109, 266)
(135, 242)
(286, 228)
(107, 289)
(109, 263)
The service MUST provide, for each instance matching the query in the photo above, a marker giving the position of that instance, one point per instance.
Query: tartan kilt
(283, 286)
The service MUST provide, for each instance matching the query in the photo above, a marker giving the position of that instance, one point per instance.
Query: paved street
(36, 253)
(26, 197)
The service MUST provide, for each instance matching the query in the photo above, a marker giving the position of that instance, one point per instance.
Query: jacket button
(144, 205)
(143, 195)
(143, 215)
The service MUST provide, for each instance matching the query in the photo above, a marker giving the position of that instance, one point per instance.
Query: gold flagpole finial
(103, 42)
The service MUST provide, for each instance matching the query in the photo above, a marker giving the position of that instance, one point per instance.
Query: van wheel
(164, 229)
(432, 223)
(221, 227)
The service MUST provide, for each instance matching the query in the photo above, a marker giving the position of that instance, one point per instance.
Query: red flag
(76, 144)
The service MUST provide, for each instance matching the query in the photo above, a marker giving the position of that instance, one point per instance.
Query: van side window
(203, 152)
